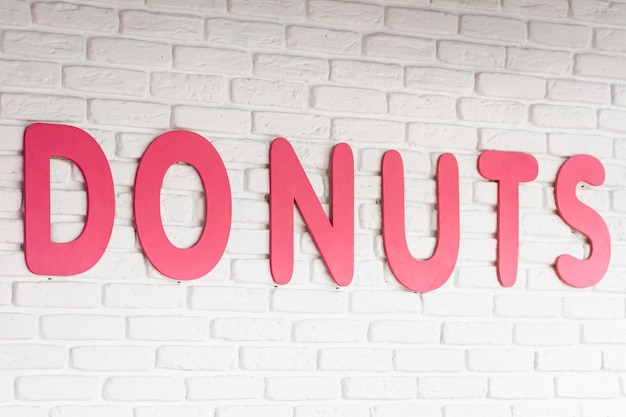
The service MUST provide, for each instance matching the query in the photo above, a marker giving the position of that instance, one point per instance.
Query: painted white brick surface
(422, 77)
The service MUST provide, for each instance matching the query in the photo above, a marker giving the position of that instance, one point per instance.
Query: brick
(493, 27)
(129, 51)
(91, 411)
(144, 296)
(546, 409)
(309, 301)
(553, 34)
(521, 387)
(611, 359)
(421, 21)
(291, 67)
(42, 108)
(291, 125)
(55, 46)
(469, 333)
(486, 410)
(329, 331)
(587, 386)
(283, 10)
(242, 33)
(380, 302)
(492, 111)
(510, 85)
(474, 4)
(404, 331)
(347, 410)
(197, 358)
(105, 80)
(212, 60)
(129, 113)
(612, 408)
(187, 328)
(610, 40)
(555, 8)
(429, 360)
(122, 2)
(599, 11)
(81, 327)
(500, 360)
(354, 100)
(599, 66)
(14, 326)
(367, 130)
(268, 93)
(406, 409)
(256, 410)
(527, 306)
(562, 116)
(323, 41)
(211, 119)
(277, 358)
(438, 79)
(612, 120)
(229, 299)
(33, 356)
(188, 87)
(161, 26)
(6, 390)
(619, 95)
(25, 411)
(539, 61)
(355, 359)
(30, 74)
(429, 106)
(568, 359)
(15, 12)
(76, 17)
(250, 329)
(456, 304)
(57, 294)
(564, 144)
(11, 138)
(13, 231)
(57, 388)
(112, 358)
(230, 387)
(366, 74)
(471, 54)
(452, 387)
(399, 47)
(349, 14)
(301, 388)
(248, 151)
(604, 331)
(546, 333)
(579, 91)
(204, 6)
(380, 387)
(5, 294)
(143, 388)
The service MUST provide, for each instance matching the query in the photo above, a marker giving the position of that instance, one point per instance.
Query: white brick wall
(422, 77)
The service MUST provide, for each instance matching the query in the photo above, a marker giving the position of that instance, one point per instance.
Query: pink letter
(576, 272)
(44, 257)
(335, 238)
(508, 169)
(167, 149)
(414, 274)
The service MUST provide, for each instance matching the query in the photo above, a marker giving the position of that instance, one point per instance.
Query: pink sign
(289, 187)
